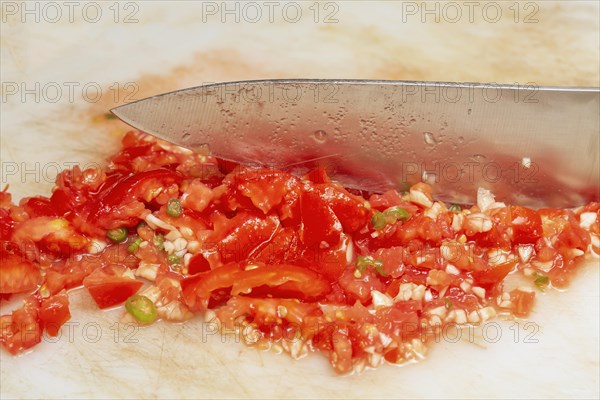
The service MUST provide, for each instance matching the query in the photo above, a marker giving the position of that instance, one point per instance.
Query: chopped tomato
(6, 225)
(243, 236)
(266, 188)
(319, 222)
(348, 208)
(393, 261)
(126, 190)
(21, 330)
(56, 234)
(389, 199)
(283, 248)
(54, 312)
(493, 275)
(39, 207)
(197, 196)
(362, 287)
(198, 263)
(110, 286)
(526, 225)
(17, 273)
(522, 302)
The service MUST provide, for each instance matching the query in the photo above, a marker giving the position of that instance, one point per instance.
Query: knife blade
(530, 145)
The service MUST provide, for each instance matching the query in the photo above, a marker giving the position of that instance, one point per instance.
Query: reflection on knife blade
(532, 146)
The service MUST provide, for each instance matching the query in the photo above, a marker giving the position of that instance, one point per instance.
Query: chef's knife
(530, 145)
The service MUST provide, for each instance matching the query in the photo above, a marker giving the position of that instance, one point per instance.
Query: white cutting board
(172, 46)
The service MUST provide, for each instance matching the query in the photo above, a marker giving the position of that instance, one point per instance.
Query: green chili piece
(174, 259)
(378, 220)
(378, 267)
(363, 262)
(455, 208)
(448, 303)
(141, 308)
(117, 235)
(159, 241)
(541, 281)
(135, 245)
(396, 213)
(174, 208)
(141, 224)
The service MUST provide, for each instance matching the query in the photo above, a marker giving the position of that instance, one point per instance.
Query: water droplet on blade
(320, 136)
(429, 139)
(478, 157)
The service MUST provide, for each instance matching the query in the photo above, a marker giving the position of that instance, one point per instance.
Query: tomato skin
(282, 281)
(526, 225)
(109, 289)
(54, 312)
(198, 289)
(17, 274)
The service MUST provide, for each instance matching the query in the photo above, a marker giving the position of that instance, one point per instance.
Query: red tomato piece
(197, 196)
(329, 262)
(348, 208)
(268, 189)
(7, 225)
(493, 275)
(54, 312)
(389, 199)
(526, 225)
(21, 330)
(522, 302)
(198, 263)
(284, 248)
(17, 273)
(319, 222)
(127, 189)
(341, 356)
(39, 207)
(109, 287)
(360, 288)
(393, 261)
(244, 235)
